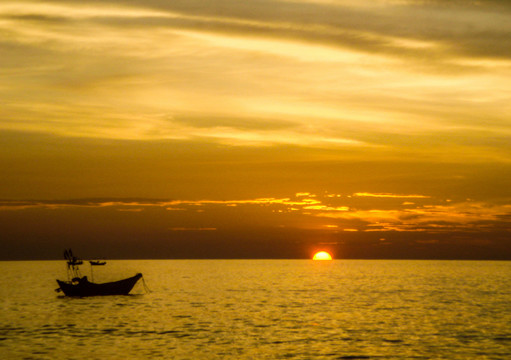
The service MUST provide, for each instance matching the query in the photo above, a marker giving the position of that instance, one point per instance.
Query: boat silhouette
(78, 285)
(97, 262)
(83, 287)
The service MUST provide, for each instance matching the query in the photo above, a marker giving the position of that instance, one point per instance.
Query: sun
(322, 255)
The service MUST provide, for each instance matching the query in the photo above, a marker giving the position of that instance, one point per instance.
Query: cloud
(403, 30)
(436, 217)
(391, 27)
(128, 204)
(465, 216)
(215, 120)
(397, 196)
(315, 74)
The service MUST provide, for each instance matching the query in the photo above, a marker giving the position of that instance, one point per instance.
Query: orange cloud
(463, 216)
(386, 195)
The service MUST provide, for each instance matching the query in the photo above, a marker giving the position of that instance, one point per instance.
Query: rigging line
(146, 288)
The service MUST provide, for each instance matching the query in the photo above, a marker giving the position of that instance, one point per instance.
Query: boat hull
(86, 288)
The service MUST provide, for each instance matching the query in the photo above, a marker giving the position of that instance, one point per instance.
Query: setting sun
(322, 255)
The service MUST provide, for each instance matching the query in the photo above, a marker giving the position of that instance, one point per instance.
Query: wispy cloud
(398, 196)
(436, 216)
(318, 73)
(466, 216)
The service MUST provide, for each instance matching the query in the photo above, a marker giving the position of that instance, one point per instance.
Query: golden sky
(256, 128)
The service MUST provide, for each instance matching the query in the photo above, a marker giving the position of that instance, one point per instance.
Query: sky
(374, 129)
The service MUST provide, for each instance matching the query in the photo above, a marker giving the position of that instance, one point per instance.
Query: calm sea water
(259, 309)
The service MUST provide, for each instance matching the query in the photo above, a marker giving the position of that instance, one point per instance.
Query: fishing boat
(78, 285)
(97, 262)
(83, 287)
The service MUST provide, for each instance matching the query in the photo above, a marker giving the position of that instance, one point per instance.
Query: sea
(261, 309)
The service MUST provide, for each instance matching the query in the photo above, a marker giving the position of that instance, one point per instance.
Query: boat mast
(73, 271)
